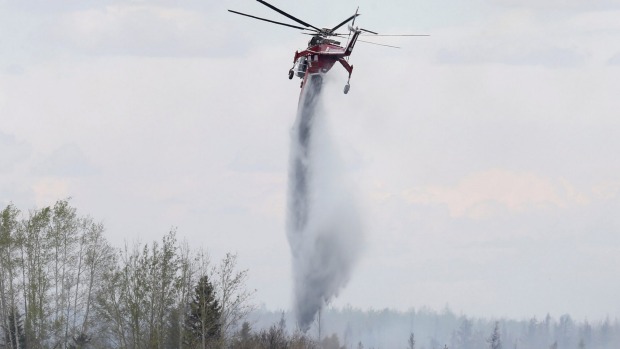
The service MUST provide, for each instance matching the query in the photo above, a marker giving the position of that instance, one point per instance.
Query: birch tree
(141, 293)
(8, 270)
(234, 298)
(36, 256)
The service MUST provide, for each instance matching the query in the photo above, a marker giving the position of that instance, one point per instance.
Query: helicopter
(323, 51)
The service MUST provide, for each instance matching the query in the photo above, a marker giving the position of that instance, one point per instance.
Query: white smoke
(323, 226)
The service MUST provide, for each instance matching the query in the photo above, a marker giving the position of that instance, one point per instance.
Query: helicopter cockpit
(317, 40)
(301, 66)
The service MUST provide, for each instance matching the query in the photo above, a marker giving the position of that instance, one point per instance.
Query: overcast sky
(484, 158)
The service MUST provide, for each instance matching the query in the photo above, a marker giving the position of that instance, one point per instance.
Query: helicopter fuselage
(321, 55)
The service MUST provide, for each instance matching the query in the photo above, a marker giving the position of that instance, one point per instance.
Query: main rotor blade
(368, 31)
(334, 34)
(268, 20)
(353, 23)
(287, 15)
(344, 22)
(397, 35)
(374, 43)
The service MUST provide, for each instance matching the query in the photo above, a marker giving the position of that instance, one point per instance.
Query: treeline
(62, 285)
(354, 328)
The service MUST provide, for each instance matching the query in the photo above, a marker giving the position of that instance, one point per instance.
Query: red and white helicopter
(322, 52)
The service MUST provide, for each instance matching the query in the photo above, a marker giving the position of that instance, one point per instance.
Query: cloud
(134, 28)
(561, 5)
(615, 60)
(532, 36)
(68, 160)
(49, 190)
(64, 6)
(483, 194)
(507, 54)
(145, 30)
(13, 151)
(607, 190)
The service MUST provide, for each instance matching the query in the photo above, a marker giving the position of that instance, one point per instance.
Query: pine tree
(411, 342)
(582, 344)
(494, 341)
(202, 323)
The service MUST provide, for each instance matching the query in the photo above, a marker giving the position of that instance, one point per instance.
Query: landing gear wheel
(290, 74)
(346, 88)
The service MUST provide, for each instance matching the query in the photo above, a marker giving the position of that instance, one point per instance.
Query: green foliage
(141, 293)
(331, 342)
(275, 337)
(75, 291)
(52, 261)
(202, 323)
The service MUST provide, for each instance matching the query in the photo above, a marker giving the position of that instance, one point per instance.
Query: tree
(36, 260)
(330, 342)
(411, 342)
(582, 344)
(495, 341)
(244, 337)
(139, 294)
(14, 336)
(80, 341)
(9, 269)
(202, 323)
(463, 337)
(63, 237)
(234, 299)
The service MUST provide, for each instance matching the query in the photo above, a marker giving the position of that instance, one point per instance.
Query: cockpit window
(314, 41)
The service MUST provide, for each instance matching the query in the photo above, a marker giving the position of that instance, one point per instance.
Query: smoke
(323, 224)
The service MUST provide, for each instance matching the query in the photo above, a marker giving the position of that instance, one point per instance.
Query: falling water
(323, 225)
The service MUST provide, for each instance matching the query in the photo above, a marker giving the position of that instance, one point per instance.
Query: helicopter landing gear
(291, 74)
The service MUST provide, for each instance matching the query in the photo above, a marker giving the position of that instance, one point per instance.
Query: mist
(323, 223)
(437, 329)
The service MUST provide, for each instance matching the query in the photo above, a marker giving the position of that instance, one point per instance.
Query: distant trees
(276, 337)
(411, 341)
(494, 340)
(331, 342)
(463, 336)
(434, 329)
(62, 285)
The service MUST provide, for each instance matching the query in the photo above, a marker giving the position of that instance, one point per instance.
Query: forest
(424, 328)
(63, 285)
